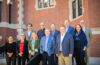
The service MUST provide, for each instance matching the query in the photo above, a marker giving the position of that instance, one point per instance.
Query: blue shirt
(46, 43)
(53, 32)
(67, 28)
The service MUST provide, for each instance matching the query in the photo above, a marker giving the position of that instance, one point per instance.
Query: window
(45, 4)
(79, 7)
(0, 10)
(76, 8)
(10, 5)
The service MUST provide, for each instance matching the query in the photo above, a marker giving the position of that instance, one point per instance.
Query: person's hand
(57, 55)
(20, 54)
(70, 55)
(33, 53)
(84, 48)
(9, 54)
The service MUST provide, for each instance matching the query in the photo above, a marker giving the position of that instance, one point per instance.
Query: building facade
(16, 14)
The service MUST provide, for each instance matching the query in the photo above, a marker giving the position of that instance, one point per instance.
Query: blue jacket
(83, 41)
(50, 45)
(67, 44)
(71, 30)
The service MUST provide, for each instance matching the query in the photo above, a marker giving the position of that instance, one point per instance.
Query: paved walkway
(3, 62)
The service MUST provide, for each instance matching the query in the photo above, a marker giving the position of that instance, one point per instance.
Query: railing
(2, 56)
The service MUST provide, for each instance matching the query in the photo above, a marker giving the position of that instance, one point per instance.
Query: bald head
(82, 23)
(42, 25)
(66, 23)
(52, 27)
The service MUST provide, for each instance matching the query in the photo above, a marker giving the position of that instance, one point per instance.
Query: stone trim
(20, 18)
(96, 30)
(94, 60)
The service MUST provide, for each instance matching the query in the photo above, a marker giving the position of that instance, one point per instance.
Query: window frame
(71, 10)
(1, 11)
(37, 5)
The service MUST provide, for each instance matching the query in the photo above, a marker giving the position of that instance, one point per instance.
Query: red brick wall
(14, 12)
(5, 32)
(94, 13)
(94, 21)
(55, 15)
(95, 46)
(5, 11)
(14, 16)
(51, 15)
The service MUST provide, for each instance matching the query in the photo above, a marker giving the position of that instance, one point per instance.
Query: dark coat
(25, 49)
(83, 42)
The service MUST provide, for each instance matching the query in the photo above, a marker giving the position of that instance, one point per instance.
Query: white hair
(47, 29)
(42, 23)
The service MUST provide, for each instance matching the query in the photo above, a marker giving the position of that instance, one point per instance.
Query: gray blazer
(26, 35)
(88, 33)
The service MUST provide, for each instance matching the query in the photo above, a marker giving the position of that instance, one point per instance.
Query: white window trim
(70, 8)
(1, 0)
(12, 26)
(9, 2)
(95, 30)
(36, 6)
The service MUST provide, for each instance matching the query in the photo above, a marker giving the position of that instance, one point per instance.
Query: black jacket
(11, 48)
(25, 48)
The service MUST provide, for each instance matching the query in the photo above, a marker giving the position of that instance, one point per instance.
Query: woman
(10, 51)
(33, 48)
(22, 50)
(80, 44)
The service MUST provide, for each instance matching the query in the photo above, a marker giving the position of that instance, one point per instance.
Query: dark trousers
(46, 58)
(34, 60)
(11, 60)
(55, 60)
(78, 58)
(21, 60)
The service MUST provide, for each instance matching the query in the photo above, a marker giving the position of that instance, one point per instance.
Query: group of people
(51, 46)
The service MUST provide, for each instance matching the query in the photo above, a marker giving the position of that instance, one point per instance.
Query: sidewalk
(3, 62)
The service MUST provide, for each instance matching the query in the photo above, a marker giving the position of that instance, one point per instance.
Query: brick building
(16, 14)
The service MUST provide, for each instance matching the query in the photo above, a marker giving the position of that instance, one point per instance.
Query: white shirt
(84, 28)
(61, 40)
(29, 33)
(67, 28)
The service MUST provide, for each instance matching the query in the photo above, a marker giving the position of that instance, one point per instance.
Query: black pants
(79, 60)
(34, 60)
(46, 58)
(21, 60)
(55, 60)
(11, 60)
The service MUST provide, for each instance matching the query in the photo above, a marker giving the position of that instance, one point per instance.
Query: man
(69, 28)
(47, 47)
(54, 33)
(28, 34)
(29, 31)
(41, 32)
(64, 47)
(89, 36)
